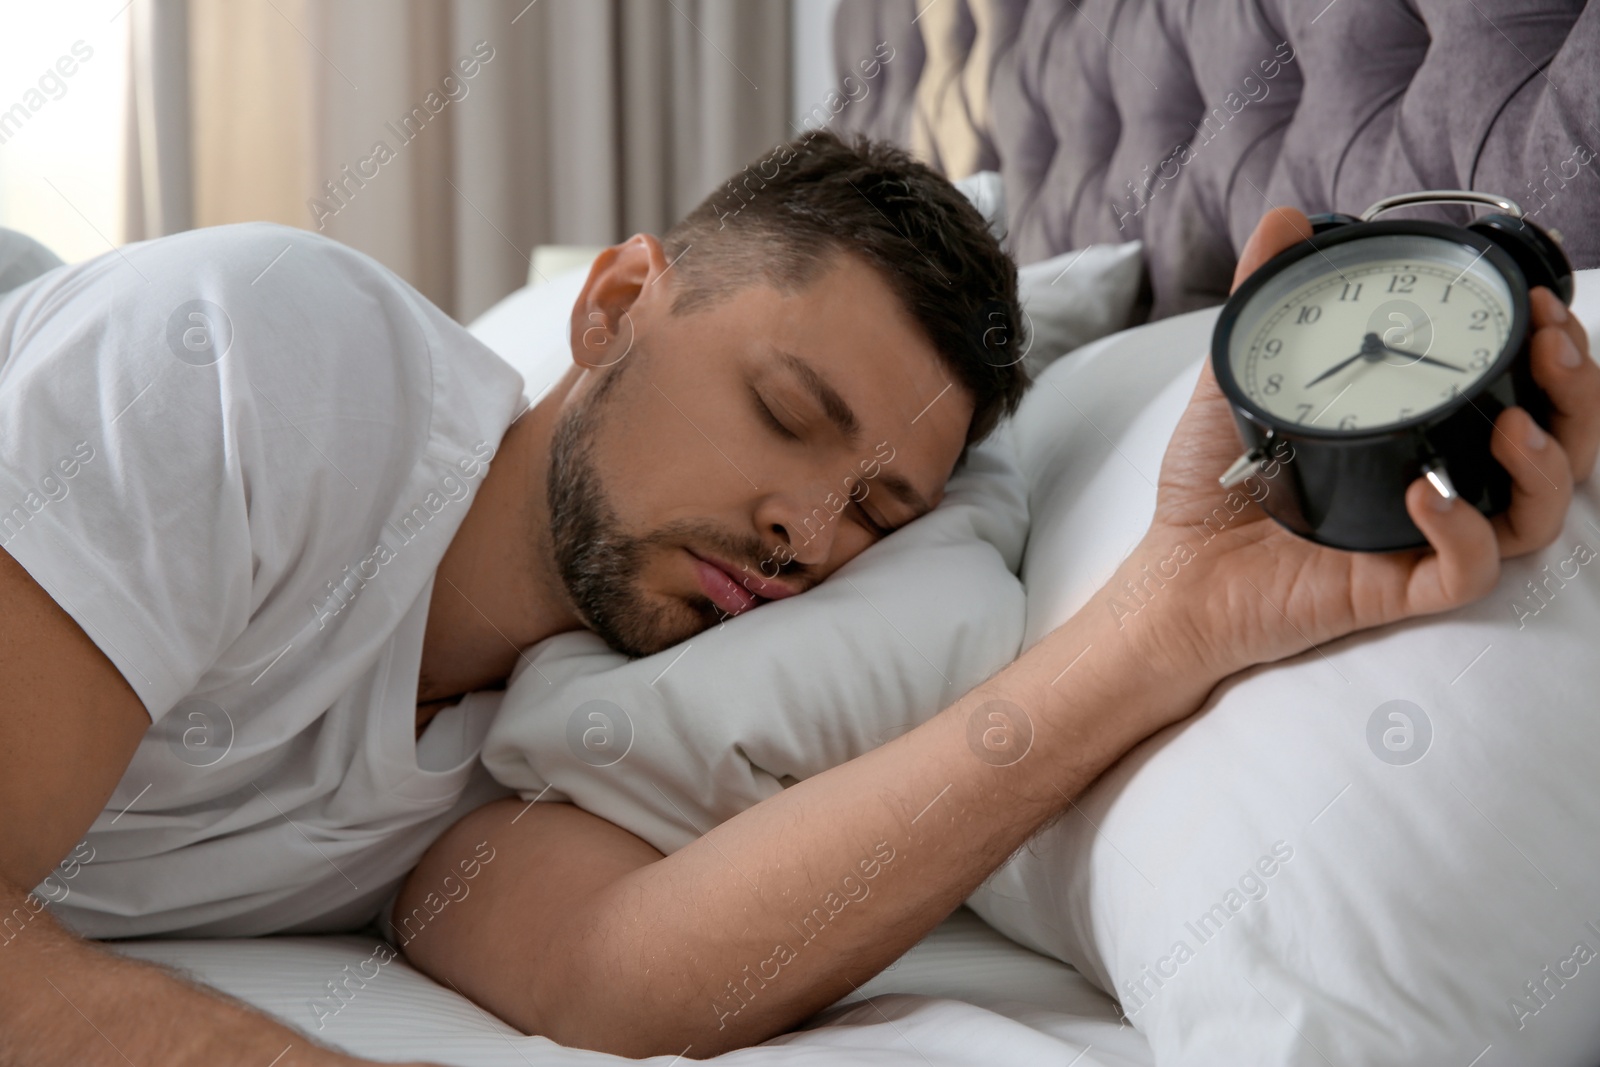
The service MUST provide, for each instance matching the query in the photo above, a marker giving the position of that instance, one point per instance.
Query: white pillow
(1296, 876)
(669, 745)
(22, 259)
(1070, 299)
(1078, 297)
(530, 329)
(987, 192)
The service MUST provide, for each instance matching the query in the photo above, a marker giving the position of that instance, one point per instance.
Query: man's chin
(636, 632)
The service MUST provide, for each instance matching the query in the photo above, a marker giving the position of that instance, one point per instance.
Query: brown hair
(785, 216)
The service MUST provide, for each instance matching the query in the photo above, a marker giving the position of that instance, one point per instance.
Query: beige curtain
(157, 184)
(448, 138)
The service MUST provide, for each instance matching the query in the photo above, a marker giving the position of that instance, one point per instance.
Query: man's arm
(69, 725)
(580, 931)
(584, 933)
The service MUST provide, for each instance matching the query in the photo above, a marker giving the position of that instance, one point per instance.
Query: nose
(805, 525)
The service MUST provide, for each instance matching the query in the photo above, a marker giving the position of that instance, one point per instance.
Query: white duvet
(964, 996)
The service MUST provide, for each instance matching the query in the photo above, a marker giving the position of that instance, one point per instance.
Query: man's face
(678, 501)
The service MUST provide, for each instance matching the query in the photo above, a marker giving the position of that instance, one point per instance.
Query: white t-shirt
(236, 457)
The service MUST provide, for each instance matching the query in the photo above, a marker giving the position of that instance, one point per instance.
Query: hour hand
(1420, 358)
(1331, 371)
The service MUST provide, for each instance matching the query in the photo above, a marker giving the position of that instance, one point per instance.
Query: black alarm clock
(1375, 353)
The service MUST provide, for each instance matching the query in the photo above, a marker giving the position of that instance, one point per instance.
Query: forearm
(778, 912)
(67, 1002)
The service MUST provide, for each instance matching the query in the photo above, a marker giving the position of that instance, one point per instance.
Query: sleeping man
(268, 515)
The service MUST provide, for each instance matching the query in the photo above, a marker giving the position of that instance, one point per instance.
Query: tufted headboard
(1181, 121)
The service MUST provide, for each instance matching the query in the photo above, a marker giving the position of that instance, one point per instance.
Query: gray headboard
(1180, 121)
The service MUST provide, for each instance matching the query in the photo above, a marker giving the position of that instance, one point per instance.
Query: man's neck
(496, 590)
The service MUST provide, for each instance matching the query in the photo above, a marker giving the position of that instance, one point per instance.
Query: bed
(1079, 107)
(967, 994)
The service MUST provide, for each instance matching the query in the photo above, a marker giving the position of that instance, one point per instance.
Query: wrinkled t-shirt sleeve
(182, 420)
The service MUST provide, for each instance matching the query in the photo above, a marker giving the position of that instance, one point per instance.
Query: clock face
(1371, 332)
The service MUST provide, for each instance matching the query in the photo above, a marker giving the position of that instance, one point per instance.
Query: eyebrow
(833, 405)
(844, 419)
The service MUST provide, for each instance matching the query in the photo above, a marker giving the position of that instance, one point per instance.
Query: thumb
(1278, 229)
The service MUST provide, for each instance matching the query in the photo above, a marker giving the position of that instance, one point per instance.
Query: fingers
(1562, 367)
(1466, 561)
(1541, 483)
(1277, 230)
(1468, 547)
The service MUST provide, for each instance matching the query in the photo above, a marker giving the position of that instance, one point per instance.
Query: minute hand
(1420, 358)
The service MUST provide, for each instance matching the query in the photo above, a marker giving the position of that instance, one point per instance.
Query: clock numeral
(1304, 410)
(1405, 413)
(1451, 393)
(1274, 383)
(1352, 291)
(1445, 299)
(1402, 283)
(1272, 348)
(1480, 320)
(1308, 314)
(1480, 358)
(1347, 423)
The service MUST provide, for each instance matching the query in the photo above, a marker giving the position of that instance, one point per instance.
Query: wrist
(1154, 604)
(1119, 670)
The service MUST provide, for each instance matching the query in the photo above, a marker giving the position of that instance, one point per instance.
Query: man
(279, 526)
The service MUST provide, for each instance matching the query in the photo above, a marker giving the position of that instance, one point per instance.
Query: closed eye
(770, 419)
(866, 520)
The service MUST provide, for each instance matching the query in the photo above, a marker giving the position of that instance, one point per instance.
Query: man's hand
(1259, 593)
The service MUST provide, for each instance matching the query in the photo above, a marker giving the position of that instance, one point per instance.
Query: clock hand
(1423, 359)
(1331, 371)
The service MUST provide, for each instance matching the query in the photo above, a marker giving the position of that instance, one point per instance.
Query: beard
(599, 562)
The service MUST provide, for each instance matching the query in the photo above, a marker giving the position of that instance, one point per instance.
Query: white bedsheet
(965, 995)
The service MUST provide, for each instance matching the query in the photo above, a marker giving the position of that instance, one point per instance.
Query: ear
(602, 317)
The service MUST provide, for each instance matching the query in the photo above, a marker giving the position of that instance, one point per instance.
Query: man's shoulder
(263, 261)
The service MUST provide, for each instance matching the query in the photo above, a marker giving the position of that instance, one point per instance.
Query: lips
(732, 589)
